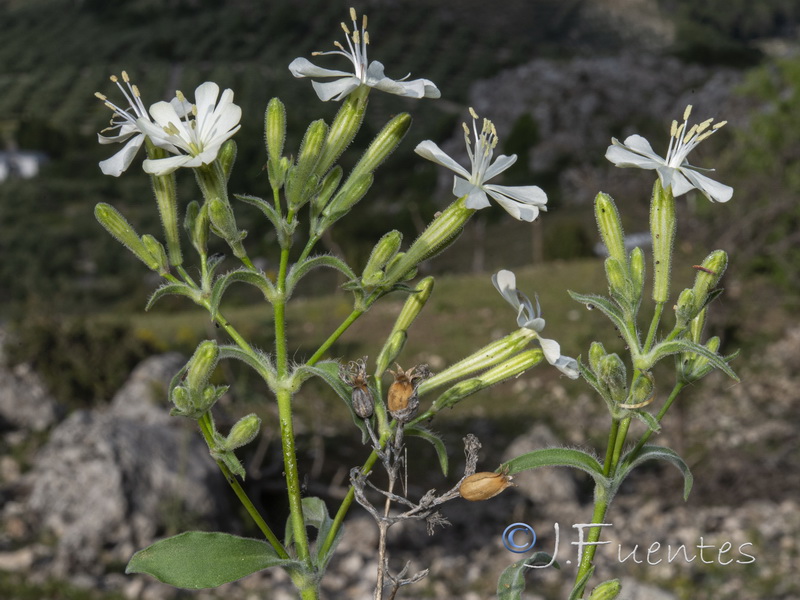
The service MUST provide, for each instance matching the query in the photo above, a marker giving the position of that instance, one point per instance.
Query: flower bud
(618, 284)
(662, 229)
(275, 130)
(201, 365)
(243, 432)
(384, 144)
(113, 222)
(694, 366)
(482, 486)
(697, 325)
(343, 129)
(642, 392)
(226, 157)
(414, 303)
(167, 200)
(708, 275)
(326, 189)
(224, 225)
(351, 192)
(301, 182)
(608, 590)
(196, 224)
(181, 398)
(610, 226)
(156, 250)
(390, 351)
(441, 232)
(685, 308)
(382, 253)
(596, 353)
(613, 374)
(637, 269)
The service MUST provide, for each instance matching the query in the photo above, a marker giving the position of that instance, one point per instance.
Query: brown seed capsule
(355, 375)
(482, 486)
(402, 400)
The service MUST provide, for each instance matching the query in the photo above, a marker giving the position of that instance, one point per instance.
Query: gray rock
(108, 483)
(25, 403)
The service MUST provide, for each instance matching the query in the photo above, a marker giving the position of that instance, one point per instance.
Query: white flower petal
(165, 166)
(506, 283)
(528, 194)
(518, 210)
(713, 190)
(119, 163)
(500, 164)
(205, 98)
(675, 179)
(568, 366)
(163, 113)
(302, 67)
(636, 154)
(476, 197)
(335, 90)
(551, 348)
(432, 152)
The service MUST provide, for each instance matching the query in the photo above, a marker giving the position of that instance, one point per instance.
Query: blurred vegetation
(59, 270)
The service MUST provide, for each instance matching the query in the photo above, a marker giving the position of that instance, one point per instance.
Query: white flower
(530, 318)
(193, 132)
(674, 170)
(129, 131)
(364, 73)
(521, 202)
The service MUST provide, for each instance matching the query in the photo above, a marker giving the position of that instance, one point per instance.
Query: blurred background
(559, 78)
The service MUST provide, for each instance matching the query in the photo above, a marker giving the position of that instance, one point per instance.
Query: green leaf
(173, 289)
(198, 560)
(260, 363)
(580, 585)
(315, 514)
(654, 453)
(282, 228)
(614, 314)
(433, 438)
(511, 583)
(683, 345)
(222, 283)
(557, 457)
(648, 419)
(300, 270)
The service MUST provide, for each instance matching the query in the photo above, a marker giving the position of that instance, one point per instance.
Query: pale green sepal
(167, 200)
(596, 353)
(176, 289)
(708, 275)
(384, 144)
(343, 129)
(243, 432)
(351, 192)
(654, 453)
(301, 182)
(610, 227)
(197, 223)
(326, 189)
(223, 224)
(113, 222)
(619, 284)
(435, 440)
(685, 309)
(201, 365)
(200, 560)
(275, 129)
(613, 375)
(662, 230)
(415, 303)
(254, 278)
(637, 272)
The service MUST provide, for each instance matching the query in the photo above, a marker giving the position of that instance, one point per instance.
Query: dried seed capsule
(482, 486)
(355, 375)
(402, 400)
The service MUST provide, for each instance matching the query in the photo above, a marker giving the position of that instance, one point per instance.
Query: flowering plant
(308, 185)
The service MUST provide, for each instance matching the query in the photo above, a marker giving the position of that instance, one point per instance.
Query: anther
(472, 113)
(687, 112)
(125, 77)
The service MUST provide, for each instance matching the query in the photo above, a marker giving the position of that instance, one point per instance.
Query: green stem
(622, 433)
(599, 514)
(651, 334)
(206, 428)
(647, 434)
(612, 439)
(284, 397)
(315, 358)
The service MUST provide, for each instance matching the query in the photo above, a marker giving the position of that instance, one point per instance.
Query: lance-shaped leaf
(614, 314)
(683, 345)
(283, 229)
(511, 583)
(557, 457)
(434, 439)
(174, 289)
(198, 560)
(580, 585)
(254, 278)
(629, 463)
(301, 269)
(315, 514)
(259, 361)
